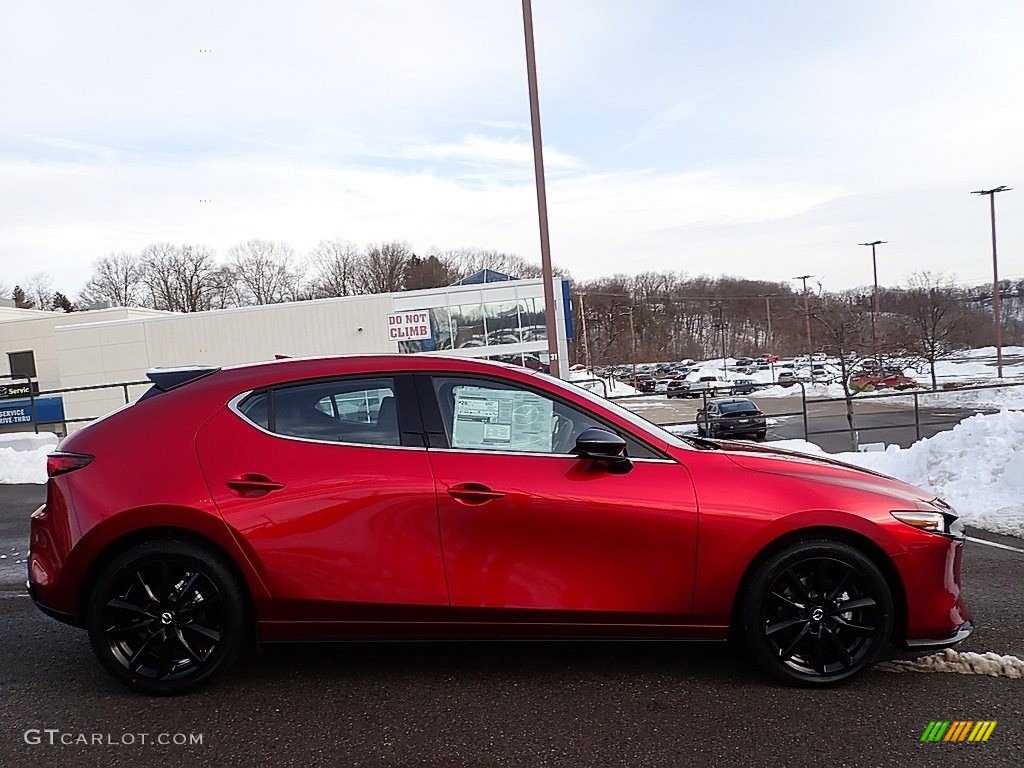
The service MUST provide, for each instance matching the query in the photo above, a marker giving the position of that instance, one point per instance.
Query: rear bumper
(739, 429)
(962, 633)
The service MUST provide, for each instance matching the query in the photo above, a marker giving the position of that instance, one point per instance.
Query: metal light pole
(996, 310)
(807, 311)
(721, 327)
(542, 198)
(874, 300)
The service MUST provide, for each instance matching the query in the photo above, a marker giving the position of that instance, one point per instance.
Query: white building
(113, 346)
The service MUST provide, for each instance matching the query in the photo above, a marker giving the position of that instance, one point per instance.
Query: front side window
(340, 411)
(487, 415)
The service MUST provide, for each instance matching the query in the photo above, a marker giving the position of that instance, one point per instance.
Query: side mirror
(602, 445)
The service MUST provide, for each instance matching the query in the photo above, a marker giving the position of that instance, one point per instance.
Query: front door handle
(252, 484)
(473, 493)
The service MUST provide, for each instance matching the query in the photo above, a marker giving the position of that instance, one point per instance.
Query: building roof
(485, 276)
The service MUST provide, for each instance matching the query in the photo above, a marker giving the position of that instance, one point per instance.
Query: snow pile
(963, 663)
(978, 467)
(1001, 397)
(23, 456)
(813, 391)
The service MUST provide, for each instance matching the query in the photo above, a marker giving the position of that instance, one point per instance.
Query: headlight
(944, 523)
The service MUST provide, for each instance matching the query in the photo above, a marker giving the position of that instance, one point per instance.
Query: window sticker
(498, 419)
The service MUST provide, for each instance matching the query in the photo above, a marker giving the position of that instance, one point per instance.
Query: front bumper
(962, 633)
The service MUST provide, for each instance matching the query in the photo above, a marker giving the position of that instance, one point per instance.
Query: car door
(329, 486)
(526, 525)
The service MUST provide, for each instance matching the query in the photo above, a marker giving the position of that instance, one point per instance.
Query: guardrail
(918, 402)
(33, 396)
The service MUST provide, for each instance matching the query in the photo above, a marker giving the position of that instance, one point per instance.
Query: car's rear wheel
(817, 613)
(166, 616)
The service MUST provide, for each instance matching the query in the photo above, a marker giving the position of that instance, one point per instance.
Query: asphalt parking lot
(887, 420)
(498, 704)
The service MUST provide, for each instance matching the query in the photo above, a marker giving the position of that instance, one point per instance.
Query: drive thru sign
(409, 326)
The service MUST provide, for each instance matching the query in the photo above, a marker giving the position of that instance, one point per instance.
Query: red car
(429, 497)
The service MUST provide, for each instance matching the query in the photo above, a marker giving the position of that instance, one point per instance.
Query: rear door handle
(253, 484)
(473, 493)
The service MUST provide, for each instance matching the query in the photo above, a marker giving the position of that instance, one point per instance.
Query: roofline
(166, 315)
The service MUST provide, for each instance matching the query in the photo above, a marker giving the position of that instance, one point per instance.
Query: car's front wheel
(817, 613)
(166, 616)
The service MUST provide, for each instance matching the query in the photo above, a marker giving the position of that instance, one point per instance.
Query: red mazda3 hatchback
(429, 497)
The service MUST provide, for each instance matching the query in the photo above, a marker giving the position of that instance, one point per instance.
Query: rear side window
(256, 408)
(338, 411)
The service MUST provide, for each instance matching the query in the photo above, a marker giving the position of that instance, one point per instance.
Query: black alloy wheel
(817, 613)
(166, 616)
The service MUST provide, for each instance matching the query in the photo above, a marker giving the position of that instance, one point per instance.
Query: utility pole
(996, 297)
(807, 312)
(768, 314)
(542, 198)
(632, 335)
(586, 339)
(874, 301)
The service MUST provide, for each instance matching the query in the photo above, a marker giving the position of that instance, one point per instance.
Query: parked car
(661, 385)
(743, 362)
(471, 499)
(643, 383)
(704, 385)
(731, 416)
(819, 357)
(786, 379)
(888, 378)
(821, 375)
(743, 386)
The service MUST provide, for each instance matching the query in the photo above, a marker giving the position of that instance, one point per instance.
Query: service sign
(409, 326)
(16, 390)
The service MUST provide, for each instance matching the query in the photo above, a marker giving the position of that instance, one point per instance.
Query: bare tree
(264, 271)
(180, 279)
(383, 268)
(39, 289)
(335, 264)
(159, 276)
(197, 277)
(118, 278)
(842, 328)
(933, 320)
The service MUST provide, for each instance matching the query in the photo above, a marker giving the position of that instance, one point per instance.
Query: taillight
(61, 462)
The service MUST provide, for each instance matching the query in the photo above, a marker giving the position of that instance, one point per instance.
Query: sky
(753, 139)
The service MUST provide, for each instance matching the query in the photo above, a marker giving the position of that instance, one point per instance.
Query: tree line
(649, 316)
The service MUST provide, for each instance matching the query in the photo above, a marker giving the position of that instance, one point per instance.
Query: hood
(759, 458)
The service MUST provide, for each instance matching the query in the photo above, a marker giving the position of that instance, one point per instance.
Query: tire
(791, 619)
(761, 435)
(166, 616)
(700, 431)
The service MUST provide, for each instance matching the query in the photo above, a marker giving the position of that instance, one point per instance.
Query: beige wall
(109, 352)
(26, 329)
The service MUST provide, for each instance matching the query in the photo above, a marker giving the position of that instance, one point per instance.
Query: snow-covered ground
(978, 467)
(23, 456)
